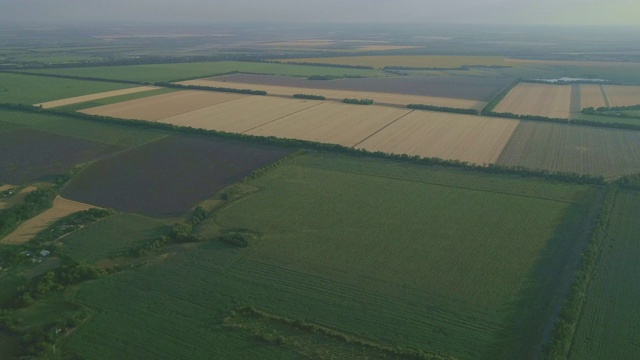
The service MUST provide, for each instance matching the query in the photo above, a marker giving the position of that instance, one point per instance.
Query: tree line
(443, 109)
(357, 101)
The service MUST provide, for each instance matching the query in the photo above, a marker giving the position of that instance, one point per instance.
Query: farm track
(382, 128)
(576, 102)
(605, 96)
(282, 117)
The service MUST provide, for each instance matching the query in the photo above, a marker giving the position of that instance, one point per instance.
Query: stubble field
(90, 97)
(537, 99)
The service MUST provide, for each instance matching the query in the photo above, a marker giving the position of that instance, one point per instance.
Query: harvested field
(552, 101)
(623, 95)
(378, 97)
(332, 123)
(102, 95)
(474, 139)
(165, 105)
(592, 96)
(168, 176)
(30, 228)
(240, 115)
(5, 187)
(459, 87)
(27, 155)
(573, 148)
(417, 61)
(17, 198)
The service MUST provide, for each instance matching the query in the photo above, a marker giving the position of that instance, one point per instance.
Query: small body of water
(572, 80)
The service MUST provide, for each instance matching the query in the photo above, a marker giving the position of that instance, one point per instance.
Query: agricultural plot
(102, 95)
(27, 155)
(378, 97)
(552, 101)
(241, 115)
(459, 87)
(608, 328)
(26, 89)
(416, 61)
(418, 271)
(163, 106)
(332, 123)
(623, 95)
(444, 135)
(593, 96)
(569, 148)
(30, 228)
(168, 176)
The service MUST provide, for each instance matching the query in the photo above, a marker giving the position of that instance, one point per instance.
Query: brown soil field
(537, 99)
(30, 228)
(332, 123)
(441, 61)
(102, 95)
(623, 95)
(165, 105)
(17, 198)
(28, 155)
(592, 96)
(572, 148)
(468, 138)
(456, 87)
(170, 176)
(240, 115)
(378, 97)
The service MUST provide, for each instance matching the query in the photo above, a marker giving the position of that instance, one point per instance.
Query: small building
(44, 253)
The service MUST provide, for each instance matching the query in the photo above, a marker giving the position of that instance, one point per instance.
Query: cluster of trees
(358, 101)
(211, 88)
(617, 111)
(443, 109)
(565, 327)
(629, 182)
(310, 97)
(69, 224)
(34, 203)
(528, 117)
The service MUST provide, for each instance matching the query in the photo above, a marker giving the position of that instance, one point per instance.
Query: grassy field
(26, 89)
(394, 267)
(115, 99)
(111, 237)
(608, 328)
(175, 72)
(610, 120)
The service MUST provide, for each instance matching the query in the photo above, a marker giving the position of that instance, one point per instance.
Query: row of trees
(443, 109)
(309, 96)
(34, 203)
(358, 101)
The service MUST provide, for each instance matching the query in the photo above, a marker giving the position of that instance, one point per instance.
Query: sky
(526, 12)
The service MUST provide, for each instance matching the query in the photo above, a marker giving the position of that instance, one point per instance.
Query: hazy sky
(574, 12)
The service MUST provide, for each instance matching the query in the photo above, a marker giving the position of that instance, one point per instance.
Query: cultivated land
(608, 326)
(457, 87)
(570, 148)
(17, 198)
(30, 228)
(592, 96)
(623, 95)
(177, 72)
(436, 286)
(102, 95)
(163, 106)
(332, 123)
(26, 89)
(537, 99)
(169, 176)
(429, 61)
(450, 136)
(378, 97)
(27, 155)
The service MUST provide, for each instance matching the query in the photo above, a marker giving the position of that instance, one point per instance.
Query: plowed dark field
(169, 176)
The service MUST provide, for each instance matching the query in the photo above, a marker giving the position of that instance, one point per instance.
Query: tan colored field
(302, 43)
(333, 123)
(623, 95)
(102, 95)
(591, 96)
(474, 139)
(17, 198)
(384, 47)
(30, 228)
(240, 115)
(5, 187)
(538, 99)
(382, 98)
(163, 106)
(407, 61)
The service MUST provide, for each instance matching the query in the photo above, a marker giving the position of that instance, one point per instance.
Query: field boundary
(382, 128)
(282, 117)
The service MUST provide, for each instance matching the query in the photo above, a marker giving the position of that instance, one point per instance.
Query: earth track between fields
(382, 128)
(282, 117)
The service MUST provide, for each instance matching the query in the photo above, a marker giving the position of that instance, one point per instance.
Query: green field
(609, 120)
(27, 89)
(115, 99)
(175, 72)
(608, 328)
(108, 134)
(391, 253)
(111, 237)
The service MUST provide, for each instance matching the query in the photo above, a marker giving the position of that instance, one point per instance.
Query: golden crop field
(591, 96)
(378, 97)
(162, 106)
(30, 228)
(445, 135)
(552, 101)
(102, 95)
(240, 115)
(623, 95)
(418, 61)
(332, 123)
